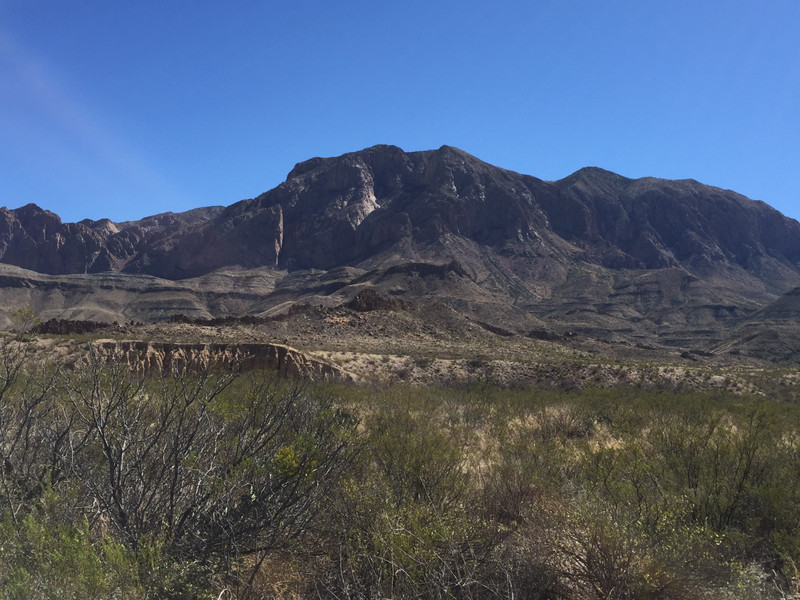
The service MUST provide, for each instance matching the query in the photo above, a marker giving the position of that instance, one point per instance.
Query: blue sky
(125, 109)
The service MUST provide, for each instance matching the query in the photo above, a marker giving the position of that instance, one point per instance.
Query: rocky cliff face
(349, 209)
(653, 223)
(594, 252)
(36, 239)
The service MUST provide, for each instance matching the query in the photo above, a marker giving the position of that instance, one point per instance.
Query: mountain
(36, 239)
(636, 261)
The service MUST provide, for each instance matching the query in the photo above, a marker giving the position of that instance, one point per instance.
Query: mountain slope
(641, 262)
(348, 209)
(36, 239)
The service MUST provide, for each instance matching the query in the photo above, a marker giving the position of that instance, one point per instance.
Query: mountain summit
(353, 208)
(592, 251)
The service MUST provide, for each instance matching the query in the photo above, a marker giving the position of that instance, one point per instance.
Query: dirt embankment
(142, 356)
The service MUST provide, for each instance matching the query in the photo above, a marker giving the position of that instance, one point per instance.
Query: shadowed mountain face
(593, 251)
(36, 239)
(349, 209)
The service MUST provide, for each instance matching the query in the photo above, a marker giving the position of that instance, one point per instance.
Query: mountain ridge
(315, 218)
(640, 261)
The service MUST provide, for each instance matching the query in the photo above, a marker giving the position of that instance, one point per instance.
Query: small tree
(24, 319)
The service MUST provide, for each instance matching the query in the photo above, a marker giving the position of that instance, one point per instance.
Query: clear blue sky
(125, 109)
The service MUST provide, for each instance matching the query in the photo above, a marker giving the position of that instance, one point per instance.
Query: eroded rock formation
(156, 357)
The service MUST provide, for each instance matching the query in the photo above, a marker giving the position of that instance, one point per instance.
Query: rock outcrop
(369, 300)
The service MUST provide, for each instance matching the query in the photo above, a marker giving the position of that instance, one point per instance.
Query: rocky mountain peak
(382, 203)
(639, 260)
(37, 222)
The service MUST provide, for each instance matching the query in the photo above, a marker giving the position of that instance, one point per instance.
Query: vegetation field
(238, 485)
